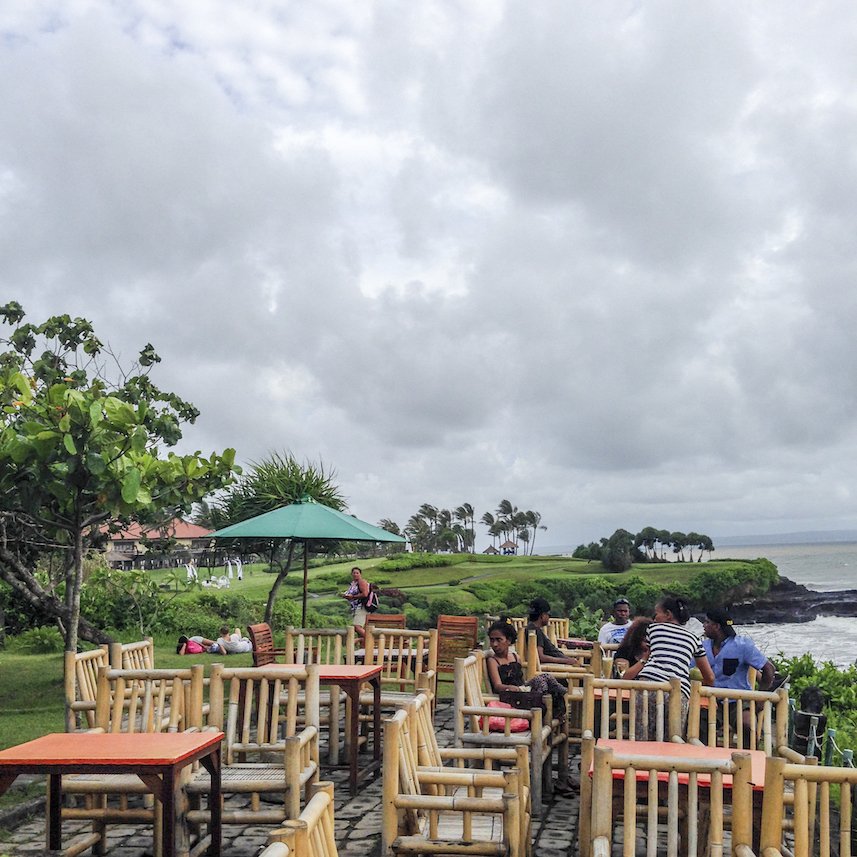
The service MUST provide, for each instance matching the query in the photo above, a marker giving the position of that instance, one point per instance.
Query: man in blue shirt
(732, 656)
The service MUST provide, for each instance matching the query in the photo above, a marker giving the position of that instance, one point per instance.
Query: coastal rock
(788, 601)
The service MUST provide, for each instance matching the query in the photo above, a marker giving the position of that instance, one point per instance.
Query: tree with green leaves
(81, 447)
(617, 556)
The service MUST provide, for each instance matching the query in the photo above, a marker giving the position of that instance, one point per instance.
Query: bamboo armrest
(307, 734)
(485, 711)
(744, 850)
(83, 705)
(791, 755)
(478, 754)
(450, 803)
(460, 777)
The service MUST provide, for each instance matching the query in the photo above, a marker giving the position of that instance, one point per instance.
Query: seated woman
(633, 647)
(672, 648)
(539, 618)
(505, 672)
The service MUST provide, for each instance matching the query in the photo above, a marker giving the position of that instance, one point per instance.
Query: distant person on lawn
(356, 595)
(614, 632)
(234, 643)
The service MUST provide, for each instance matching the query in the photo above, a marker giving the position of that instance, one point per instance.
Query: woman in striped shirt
(672, 649)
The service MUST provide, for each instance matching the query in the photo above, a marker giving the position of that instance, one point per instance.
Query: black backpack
(371, 603)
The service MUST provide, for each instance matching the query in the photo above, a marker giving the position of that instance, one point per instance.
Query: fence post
(828, 749)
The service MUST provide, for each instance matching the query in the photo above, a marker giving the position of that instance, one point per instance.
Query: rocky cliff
(788, 601)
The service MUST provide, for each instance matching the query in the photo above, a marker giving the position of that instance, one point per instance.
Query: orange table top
(685, 751)
(144, 749)
(355, 671)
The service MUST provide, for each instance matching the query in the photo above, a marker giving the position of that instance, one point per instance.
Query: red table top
(356, 671)
(685, 751)
(63, 748)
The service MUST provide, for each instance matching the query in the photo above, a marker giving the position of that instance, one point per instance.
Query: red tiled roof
(177, 528)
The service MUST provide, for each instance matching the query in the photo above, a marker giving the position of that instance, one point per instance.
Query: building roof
(509, 544)
(177, 528)
(490, 549)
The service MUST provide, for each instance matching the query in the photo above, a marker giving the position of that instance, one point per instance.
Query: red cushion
(498, 724)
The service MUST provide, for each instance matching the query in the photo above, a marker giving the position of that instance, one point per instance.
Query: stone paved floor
(358, 823)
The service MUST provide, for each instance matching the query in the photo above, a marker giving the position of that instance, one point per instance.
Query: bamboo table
(156, 758)
(350, 678)
(758, 762)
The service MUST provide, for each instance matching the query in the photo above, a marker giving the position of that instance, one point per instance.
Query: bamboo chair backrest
(768, 714)
(134, 656)
(81, 684)
(312, 833)
(469, 677)
(166, 700)
(320, 645)
(557, 629)
(571, 674)
(408, 658)
(385, 620)
(821, 824)
(262, 640)
(610, 708)
(666, 808)
(456, 637)
(246, 704)
(519, 625)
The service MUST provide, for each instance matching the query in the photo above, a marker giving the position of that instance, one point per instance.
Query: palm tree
(534, 522)
(278, 481)
(691, 541)
(678, 540)
(490, 522)
(464, 513)
(389, 526)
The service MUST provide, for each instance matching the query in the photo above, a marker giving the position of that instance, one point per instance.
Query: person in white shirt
(614, 632)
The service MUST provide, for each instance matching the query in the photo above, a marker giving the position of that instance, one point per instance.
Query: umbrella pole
(306, 574)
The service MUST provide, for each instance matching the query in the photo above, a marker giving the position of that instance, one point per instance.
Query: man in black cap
(731, 656)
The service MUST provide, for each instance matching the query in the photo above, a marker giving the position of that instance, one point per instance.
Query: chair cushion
(498, 724)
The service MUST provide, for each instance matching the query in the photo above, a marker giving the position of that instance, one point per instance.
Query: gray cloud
(596, 260)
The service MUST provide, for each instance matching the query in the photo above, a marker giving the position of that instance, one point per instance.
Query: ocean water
(818, 566)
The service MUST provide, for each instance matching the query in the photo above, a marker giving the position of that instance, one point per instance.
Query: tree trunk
(272, 595)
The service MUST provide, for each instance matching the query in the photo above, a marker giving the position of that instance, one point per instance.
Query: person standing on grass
(356, 595)
(614, 632)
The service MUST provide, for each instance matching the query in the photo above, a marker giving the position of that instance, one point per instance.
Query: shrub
(416, 618)
(39, 641)
(407, 561)
(445, 606)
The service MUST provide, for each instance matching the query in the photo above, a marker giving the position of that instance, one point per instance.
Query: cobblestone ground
(358, 823)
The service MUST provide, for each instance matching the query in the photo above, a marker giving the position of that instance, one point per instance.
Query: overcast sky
(596, 258)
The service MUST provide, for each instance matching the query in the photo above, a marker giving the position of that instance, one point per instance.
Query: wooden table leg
(376, 722)
(55, 813)
(353, 691)
(212, 765)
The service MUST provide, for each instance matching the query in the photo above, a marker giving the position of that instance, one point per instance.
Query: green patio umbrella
(304, 521)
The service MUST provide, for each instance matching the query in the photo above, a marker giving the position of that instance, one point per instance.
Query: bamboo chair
(678, 803)
(324, 646)
(246, 706)
(81, 686)
(544, 735)
(408, 659)
(432, 757)
(613, 715)
(311, 834)
(417, 821)
(133, 656)
(817, 824)
(264, 651)
(768, 719)
(457, 636)
(132, 701)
